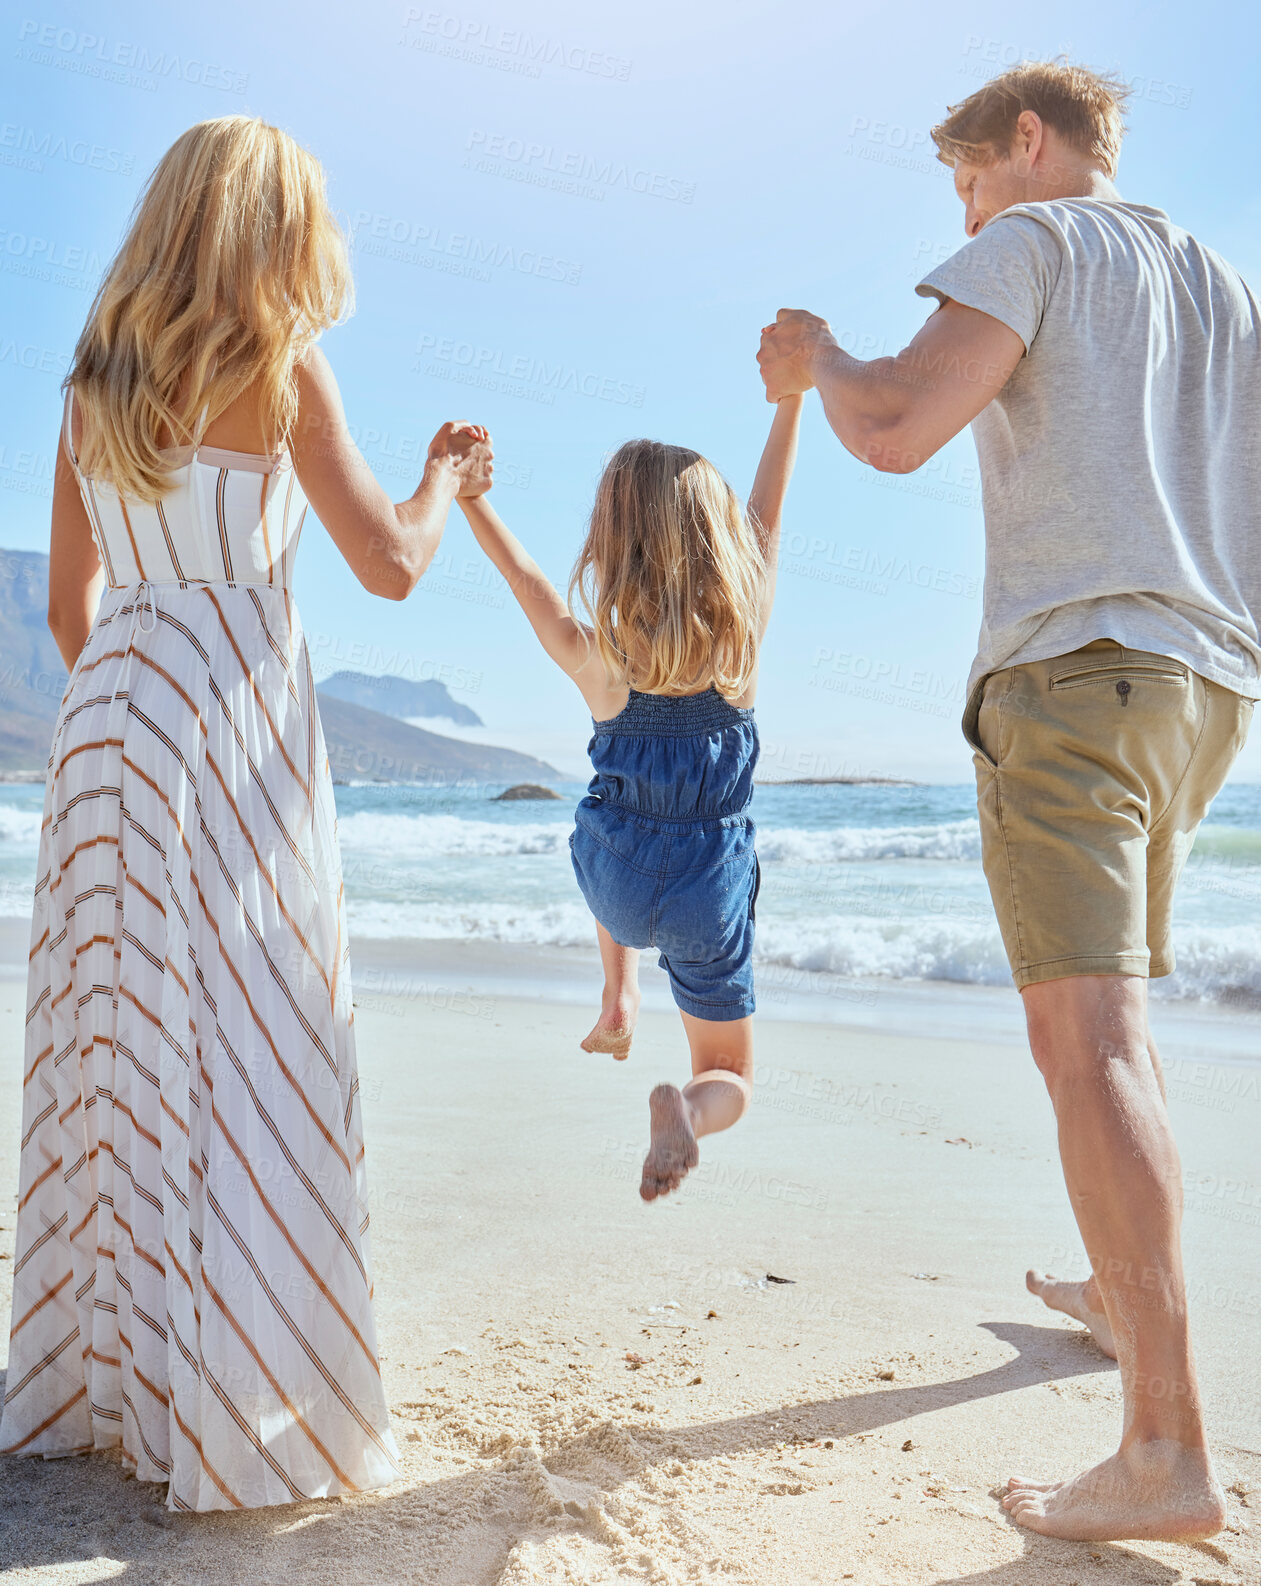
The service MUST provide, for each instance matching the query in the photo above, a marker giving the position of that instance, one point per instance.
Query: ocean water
(863, 883)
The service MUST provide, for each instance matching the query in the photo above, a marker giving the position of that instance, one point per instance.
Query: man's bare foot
(672, 1152)
(614, 1029)
(1081, 1301)
(1159, 1490)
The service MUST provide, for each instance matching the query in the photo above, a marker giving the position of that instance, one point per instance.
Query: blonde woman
(677, 582)
(192, 1279)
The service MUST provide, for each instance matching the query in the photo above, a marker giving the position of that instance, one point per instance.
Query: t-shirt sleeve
(1008, 271)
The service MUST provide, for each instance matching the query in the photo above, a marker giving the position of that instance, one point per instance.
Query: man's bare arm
(894, 413)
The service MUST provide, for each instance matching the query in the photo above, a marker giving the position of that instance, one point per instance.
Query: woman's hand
(466, 449)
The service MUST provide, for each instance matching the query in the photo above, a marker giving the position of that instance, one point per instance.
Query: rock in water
(525, 790)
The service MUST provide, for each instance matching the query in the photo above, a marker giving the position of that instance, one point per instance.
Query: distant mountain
(364, 745)
(32, 676)
(398, 696)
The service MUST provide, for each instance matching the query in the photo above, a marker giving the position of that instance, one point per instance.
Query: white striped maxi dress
(191, 1277)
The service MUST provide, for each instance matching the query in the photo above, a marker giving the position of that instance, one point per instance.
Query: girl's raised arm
(567, 641)
(387, 545)
(770, 486)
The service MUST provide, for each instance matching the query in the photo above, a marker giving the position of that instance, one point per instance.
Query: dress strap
(199, 429)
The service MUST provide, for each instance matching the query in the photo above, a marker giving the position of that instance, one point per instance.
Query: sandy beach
(588, 1389)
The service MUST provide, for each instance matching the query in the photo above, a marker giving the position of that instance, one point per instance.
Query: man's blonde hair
(232, 264)
(671, 574)
(1086, 108)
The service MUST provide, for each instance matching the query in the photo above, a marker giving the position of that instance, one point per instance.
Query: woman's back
(230, 516)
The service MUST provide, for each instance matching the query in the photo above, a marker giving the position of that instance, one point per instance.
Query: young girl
(677, 582)
(192, 1280)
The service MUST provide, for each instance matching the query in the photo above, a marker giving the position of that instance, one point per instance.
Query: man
(1111, 368)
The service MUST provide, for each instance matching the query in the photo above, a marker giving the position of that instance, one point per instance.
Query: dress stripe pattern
(192, 1273)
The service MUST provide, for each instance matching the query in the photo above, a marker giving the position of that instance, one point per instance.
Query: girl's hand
(788, 351)
(467, 450)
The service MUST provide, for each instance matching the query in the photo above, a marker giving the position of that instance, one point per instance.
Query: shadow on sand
(462, 1528)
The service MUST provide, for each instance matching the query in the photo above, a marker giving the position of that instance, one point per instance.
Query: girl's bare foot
(1081, 1301)
(672, 1152)
(1160, 1490)
(614, 1029)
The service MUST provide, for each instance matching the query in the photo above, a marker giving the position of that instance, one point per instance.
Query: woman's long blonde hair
(671, 574)
(232, 264)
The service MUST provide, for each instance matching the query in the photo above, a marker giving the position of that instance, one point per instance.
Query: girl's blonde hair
(671, 574)
(232, 265)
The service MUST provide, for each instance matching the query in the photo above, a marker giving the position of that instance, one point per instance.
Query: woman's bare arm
(75, 577)
(388, 545)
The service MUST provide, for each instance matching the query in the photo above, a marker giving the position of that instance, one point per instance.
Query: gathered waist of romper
(644, 815)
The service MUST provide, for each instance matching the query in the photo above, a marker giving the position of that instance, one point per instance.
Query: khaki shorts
(1093, 771)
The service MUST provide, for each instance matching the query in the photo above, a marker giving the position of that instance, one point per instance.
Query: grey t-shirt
(1121, 462)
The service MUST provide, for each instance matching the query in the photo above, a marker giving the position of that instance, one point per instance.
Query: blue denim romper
(663, 843)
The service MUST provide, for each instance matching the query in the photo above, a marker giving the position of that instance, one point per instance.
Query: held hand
(467, 450)
(788, 349)
(477, 466)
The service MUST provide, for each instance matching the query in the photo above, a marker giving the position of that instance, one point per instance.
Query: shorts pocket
(631, 842)
(1109, 673)
(979, 705)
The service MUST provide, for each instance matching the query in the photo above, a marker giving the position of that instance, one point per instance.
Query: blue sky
(570, 223)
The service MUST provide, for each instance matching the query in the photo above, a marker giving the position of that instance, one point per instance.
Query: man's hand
(894, 413)
(789, 347)
(467, 450)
